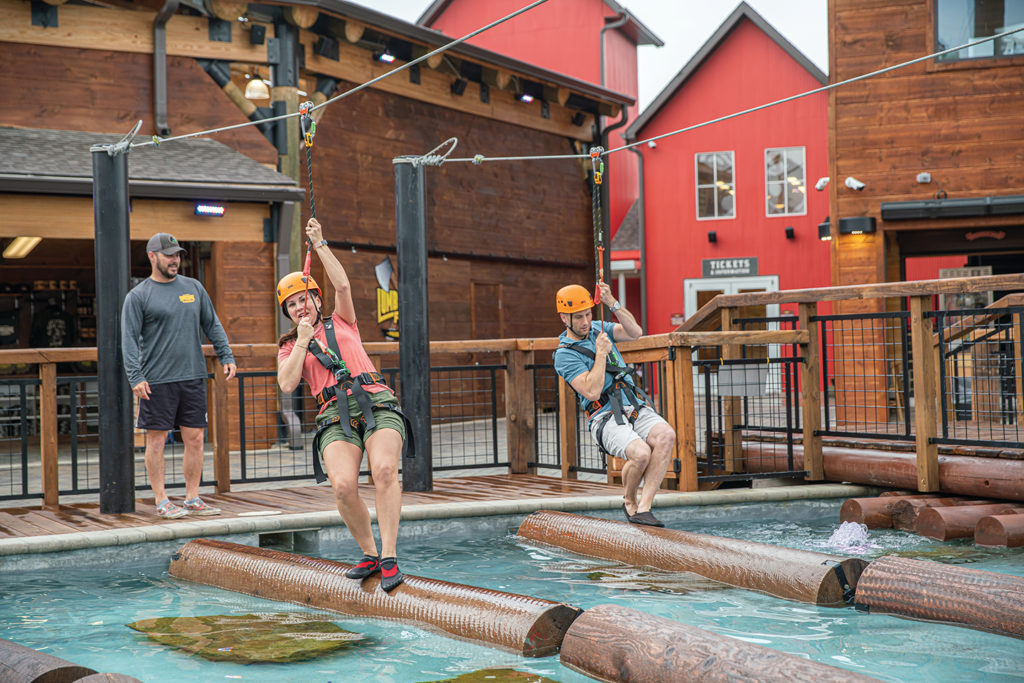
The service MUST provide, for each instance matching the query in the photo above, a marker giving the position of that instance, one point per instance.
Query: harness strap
(599, 437)
(362, 426)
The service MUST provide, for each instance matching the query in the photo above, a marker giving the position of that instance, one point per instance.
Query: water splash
(851, 537)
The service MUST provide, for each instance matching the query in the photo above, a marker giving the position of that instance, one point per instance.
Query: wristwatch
(321, 243)
(616, 306)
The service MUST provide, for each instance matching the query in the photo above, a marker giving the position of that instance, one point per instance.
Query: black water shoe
(391, 576)
(646, 518)
(370, 564)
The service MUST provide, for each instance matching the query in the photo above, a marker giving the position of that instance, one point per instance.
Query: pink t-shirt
(351, 346)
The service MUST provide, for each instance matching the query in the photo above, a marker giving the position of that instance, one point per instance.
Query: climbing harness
(597, 169)
(612, 396)
(330, 357)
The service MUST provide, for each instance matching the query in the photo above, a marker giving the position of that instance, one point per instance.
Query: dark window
(963, 21)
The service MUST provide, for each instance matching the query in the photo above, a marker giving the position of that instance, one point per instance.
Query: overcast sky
(684, 25)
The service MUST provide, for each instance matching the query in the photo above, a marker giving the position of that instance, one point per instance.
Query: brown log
(23, 664)
(944, 524)
(991, 478)
(616, 643)
(1001, 530)
(876, 513)
(937, 592)
(108, 678)
(525, 625)
(800, 575)
(905, 513)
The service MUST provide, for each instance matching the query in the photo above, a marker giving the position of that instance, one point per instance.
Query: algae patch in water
(498, 676)
(249, 637)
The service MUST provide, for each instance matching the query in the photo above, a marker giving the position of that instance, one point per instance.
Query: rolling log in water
(877, 513)
(1001, 530)
(944, 524)
(20, 664)
(993, 478)
(938, 592)
(906, 512)
(527, 626)
(799, 575)
(615, 643)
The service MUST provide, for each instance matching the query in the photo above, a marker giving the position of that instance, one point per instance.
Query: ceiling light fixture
(21, 246)
(256, 88)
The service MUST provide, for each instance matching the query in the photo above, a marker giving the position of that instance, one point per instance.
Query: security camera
(652, 144)
(822, 182)
(854, 184)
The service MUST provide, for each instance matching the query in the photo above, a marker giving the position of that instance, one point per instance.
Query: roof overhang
(151, 189)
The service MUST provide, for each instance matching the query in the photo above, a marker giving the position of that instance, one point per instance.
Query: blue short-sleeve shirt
(570, 364)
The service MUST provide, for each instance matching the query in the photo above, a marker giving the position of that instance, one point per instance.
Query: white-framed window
(716, 191)
(963, 21)
(785, 181)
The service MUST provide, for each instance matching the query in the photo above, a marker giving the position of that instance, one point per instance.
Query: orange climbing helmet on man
(573, 299)
(295, 282)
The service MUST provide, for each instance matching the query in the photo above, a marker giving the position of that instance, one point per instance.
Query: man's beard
(166, 270)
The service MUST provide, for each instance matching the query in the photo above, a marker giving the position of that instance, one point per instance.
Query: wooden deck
(21, 522)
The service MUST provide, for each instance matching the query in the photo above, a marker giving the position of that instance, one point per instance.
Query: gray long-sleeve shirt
(161, 331)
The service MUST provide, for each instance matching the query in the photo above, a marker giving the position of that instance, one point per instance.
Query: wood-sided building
(502, 236)
(937, 145)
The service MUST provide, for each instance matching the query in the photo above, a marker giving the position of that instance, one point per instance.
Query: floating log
(906, 512)
(525, 625)
(615, 643)
(800, 575)
(992, 478)
(20, 664)
(108, 678)
(944, 524)
(877, 513)
(939, 592)
(1001, 530)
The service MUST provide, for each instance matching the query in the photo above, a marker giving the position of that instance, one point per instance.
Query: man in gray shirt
(162, 323)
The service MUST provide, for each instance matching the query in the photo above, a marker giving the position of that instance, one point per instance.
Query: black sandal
(646, 518)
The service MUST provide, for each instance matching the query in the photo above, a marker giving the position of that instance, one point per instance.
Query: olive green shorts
(385, 419)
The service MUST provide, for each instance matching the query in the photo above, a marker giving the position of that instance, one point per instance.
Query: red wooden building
(590, 40)
(732, 207)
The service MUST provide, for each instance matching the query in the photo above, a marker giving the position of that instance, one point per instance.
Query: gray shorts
(616, 437)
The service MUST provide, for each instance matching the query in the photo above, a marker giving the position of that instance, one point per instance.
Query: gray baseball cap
(164, 243)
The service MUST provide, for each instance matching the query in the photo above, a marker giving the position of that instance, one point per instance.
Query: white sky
(684, 26)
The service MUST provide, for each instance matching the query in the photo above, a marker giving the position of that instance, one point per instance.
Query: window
(715, 189)
(962, 21)
(785, 181)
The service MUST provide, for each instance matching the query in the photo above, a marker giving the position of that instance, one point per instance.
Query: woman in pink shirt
(341, 374)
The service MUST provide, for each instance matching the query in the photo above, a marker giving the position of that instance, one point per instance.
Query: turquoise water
(80, 615)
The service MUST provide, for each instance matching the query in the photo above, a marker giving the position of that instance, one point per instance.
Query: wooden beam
(219, 427)
(567, 428)
(354, 30)
(48, 432)
(810, 393)
(72, 218)
(685, 419)
(228, 10)
(520, 424)
(302, 16)
(924, 399)
(731, 406)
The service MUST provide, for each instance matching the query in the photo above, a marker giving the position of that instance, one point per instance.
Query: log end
(1005, 531)
(833, 591)
(548, 631)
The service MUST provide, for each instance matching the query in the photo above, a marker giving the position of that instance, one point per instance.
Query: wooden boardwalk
(21, 522)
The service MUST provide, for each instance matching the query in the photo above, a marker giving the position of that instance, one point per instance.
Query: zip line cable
(157, 140)
(479, 158)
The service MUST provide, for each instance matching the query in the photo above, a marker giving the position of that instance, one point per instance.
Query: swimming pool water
(79, 615)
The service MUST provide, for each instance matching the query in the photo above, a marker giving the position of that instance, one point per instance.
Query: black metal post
(413, 316)
(113, 271)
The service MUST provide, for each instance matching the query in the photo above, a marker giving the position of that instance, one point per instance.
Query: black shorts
(174, 404)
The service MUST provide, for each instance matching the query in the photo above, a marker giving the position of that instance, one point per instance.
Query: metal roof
(742, 11)
(634, 28)
(39, 161)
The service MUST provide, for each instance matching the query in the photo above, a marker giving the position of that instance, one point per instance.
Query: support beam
(568, 434)
(925, 410)
(413, 326)
(111, 202)
(810, 393)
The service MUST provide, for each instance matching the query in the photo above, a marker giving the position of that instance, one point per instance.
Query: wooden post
(567, 426)
(520, 423)
(924, 396)
(731, 406)
(48, 432)
(810, 394)
(1018, 354)
(685, 419)
(220, 432)
(669, 401)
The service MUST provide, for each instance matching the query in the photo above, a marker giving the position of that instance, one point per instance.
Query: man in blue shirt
(617, 416)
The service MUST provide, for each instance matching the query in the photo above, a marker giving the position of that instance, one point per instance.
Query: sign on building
(964, 300)
(729, 267)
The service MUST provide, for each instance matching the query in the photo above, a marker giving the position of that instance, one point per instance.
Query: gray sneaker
(168, 510)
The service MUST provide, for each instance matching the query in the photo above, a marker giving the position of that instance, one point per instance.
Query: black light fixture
(327, 47)
(485, 93)
(258, 34)
(545, 111)
(825, 230)
(459, 86)
(790, 234)
(578, 118)
(712, 236)
(857, 225)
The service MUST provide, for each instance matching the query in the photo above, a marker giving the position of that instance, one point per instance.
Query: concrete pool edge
(226, 526)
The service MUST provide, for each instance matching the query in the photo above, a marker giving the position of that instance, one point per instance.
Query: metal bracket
(44, 15)
(274, 51)
(220, 30)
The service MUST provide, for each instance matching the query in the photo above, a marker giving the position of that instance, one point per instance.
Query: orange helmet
(295, 282)
(572, 299)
